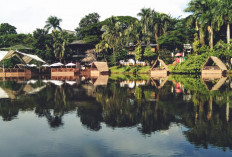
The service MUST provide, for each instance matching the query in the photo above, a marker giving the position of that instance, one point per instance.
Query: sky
(27, 15)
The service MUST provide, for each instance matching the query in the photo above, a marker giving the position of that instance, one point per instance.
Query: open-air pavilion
(213, 68)
(159, 69)
(20, 71)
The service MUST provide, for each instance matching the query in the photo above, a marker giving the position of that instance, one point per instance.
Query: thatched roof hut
(98, 68)
(159, 68)
(213, 65)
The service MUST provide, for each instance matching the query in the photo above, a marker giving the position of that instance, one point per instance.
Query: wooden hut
(213, 68)
(98, 68)
(159, 69)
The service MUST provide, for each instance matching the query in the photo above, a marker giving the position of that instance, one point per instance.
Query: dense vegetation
(207, 28)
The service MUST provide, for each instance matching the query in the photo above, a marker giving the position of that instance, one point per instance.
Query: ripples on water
(116, 116)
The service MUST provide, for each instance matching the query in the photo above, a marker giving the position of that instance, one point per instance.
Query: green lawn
(130, 69)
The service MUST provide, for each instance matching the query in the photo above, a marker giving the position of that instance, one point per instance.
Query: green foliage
(6, 28)
(10, 40)
(138, 53)
(130, 69)
(89, 19)
(176, 38)
(192, 65)
(196, 43)
(53, 22)
(149, 55)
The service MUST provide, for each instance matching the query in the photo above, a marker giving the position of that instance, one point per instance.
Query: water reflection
(150, 105)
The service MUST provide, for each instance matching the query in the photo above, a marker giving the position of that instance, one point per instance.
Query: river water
(117, 115)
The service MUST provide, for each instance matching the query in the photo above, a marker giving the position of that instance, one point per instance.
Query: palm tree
(196, 7)
(53, 22)
(60, 43)
(208, 18)
(159, 24)
(113, 33)
(224, 14)
(146, 20)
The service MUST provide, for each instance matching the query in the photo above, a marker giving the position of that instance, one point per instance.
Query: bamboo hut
(213, 68)
(98, 68)
(159, 69)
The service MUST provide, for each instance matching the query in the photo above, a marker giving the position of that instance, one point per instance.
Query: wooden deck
(64, 71)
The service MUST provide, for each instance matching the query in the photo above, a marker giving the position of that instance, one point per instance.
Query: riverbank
(130, 69)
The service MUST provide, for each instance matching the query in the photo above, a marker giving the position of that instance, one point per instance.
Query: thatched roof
(25, 58)
(90, 57)
(101, 66)
(217, 61)
(156, 64)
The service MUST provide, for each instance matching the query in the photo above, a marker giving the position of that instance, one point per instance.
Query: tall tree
(197, 9)
(145, 15)
(6, 28)
(89, 19)
(112, 33)
(224, 14)
(53, 22)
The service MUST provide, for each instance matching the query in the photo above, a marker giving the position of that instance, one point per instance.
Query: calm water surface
(117, 115)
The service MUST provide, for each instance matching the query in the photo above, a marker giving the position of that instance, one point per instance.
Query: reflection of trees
(207, 114)
(90, 115)
(121, 108)
(8, 110)
(208, 120)
(52, 102)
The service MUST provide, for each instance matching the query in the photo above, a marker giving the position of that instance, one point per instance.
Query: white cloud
(27, 15)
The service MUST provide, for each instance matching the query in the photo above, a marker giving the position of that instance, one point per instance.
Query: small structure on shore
(98, 68)
(21, 71)
(159, 68)
(213, 67)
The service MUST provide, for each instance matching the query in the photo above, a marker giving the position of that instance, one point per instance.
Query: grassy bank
(130, 69)
(129, 77)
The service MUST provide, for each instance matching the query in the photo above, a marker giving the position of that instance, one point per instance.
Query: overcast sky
(27, 15)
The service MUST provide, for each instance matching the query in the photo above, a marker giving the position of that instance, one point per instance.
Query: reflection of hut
(213, 67)
(100, 80)
(159, 82)
(98, 68)
(159, 68)
(210, 85)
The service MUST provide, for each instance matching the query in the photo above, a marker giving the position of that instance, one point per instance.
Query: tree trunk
(156, 39)
(228, 32)
(196, 23)
(202, 38)
(210, 30)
